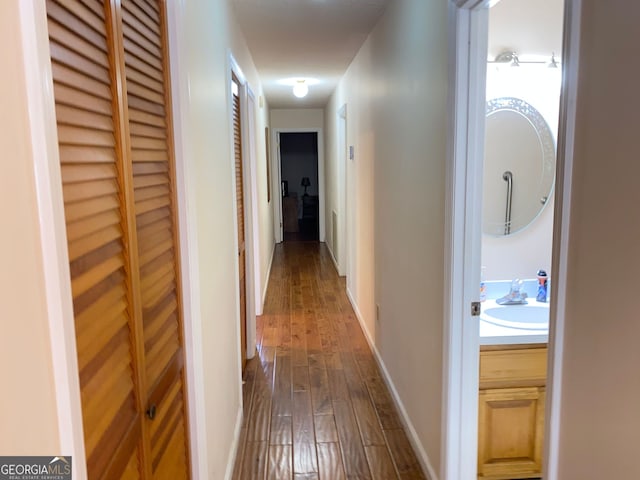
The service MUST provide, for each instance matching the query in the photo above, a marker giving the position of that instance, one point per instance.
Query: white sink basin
(528, 317)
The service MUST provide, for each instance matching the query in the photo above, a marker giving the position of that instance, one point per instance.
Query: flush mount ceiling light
(300, 89)
(300, 85)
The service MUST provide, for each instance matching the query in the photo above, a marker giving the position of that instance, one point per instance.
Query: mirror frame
(548, 147)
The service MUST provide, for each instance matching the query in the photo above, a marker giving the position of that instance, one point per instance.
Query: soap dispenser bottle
(543, 281)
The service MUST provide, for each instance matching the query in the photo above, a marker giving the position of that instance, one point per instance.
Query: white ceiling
(305, 38)
(531, 28)
(319, 38)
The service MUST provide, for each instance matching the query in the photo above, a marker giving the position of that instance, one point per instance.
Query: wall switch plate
(351, 152)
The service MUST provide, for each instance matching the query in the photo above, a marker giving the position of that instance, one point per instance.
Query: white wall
(533, 29)
(294, 118)
(28, 401)
(265, 208)
(208, 33)
(395, 91)
(523, 253)
(599, 420)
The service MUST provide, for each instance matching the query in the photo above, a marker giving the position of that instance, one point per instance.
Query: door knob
(151, 412)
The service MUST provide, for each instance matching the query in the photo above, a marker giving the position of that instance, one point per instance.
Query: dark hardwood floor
(315, 405)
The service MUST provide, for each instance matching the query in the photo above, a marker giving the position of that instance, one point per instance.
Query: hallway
(315, 404)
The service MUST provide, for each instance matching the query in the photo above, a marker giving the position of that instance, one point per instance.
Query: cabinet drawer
(522, 367)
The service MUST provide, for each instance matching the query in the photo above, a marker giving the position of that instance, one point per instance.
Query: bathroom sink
(530, 317)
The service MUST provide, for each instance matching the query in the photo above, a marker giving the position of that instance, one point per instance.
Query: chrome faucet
(515, 295)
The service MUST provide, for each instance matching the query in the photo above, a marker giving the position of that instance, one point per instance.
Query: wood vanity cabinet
(511, 411)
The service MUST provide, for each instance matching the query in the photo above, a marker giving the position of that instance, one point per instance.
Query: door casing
(252, 245)
(468, 21)
(277, 180)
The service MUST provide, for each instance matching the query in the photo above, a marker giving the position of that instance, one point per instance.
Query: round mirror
(519, 166)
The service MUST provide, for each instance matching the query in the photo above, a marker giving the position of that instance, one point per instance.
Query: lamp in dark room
(305, 183)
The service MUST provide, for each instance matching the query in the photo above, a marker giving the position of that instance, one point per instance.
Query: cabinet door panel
(511, 422)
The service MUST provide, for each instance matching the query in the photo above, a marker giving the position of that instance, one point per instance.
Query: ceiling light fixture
(300, 84)
(300, 89)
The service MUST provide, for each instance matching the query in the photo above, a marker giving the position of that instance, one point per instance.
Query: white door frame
(188, 236)
(468, 34)
(343, 158)
(562, 220)
(468, 20)
(34, 42)
(252, 229)
(277, 177)
(250, 193)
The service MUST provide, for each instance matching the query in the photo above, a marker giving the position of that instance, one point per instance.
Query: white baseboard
(333, 257)
(423, 458)
(266, 283)
(231, 461)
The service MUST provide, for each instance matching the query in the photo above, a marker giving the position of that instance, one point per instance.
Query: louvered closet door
(96, 231)
(237, 138)
(151, 146)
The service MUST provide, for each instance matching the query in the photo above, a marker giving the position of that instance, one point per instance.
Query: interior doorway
(519, 165)
(300, 186)
(462, 368)
(240, 213)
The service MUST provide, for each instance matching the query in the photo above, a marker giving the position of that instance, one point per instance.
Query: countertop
(492, 334)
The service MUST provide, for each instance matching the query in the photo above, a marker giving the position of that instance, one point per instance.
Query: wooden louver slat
(153, 182)
(81, 69)
(237, 139)
(110, 71)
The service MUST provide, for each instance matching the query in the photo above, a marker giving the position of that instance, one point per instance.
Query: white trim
(255, 206)
(469, 73)
(233, 453)
(53, 238)
(343, 159)
(252, 228)
(468, 36)
(234, 69)
(423, 458)
(321, 181)
(276, 179)
(333, 258)
(562, 220)
(188, 236)
(268, 278)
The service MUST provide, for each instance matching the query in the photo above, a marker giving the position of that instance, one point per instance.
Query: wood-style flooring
(315, 405)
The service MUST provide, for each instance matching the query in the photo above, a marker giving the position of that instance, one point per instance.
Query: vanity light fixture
(509, 57)
(300, 89)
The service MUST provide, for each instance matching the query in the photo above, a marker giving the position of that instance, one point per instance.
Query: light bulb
(300, 89)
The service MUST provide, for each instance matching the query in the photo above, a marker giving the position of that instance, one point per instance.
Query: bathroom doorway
(300, 186)
(468, 252)
(521, 128)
